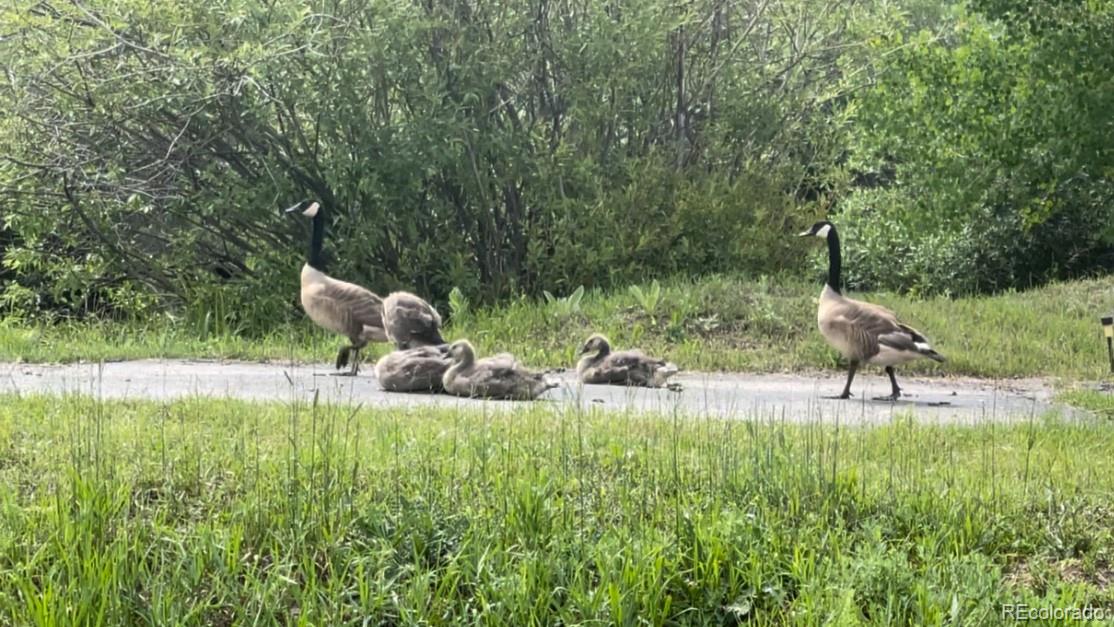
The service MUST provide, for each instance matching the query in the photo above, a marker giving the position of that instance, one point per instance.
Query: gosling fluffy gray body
(499, 376)
(417, 369)
(410, 321)
(632, 367)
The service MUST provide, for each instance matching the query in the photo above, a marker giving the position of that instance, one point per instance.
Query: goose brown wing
(865, 326)
(358, 309)
(903, 339)
(916, 335)
(871, 326)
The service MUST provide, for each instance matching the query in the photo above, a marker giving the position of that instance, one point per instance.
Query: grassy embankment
(214, 512)
(720, 323)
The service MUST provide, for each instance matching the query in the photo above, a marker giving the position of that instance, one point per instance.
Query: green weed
(459, 306)
(648, 299)
(713, 324)
(567, 306)
(221, 512)
(1100, 402)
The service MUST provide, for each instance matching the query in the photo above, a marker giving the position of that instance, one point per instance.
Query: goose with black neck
(339, 306)
(862, 332)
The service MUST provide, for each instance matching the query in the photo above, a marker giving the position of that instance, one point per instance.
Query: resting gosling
(339, 306)
(417, 369)
(600, 365)
(410, 321)
(862, 332)
(500, 376)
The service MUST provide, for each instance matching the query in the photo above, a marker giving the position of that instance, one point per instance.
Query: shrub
(501, 152)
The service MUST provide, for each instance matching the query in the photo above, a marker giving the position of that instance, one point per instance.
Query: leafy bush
(500, 148)
(986, 141)
(881, 251)
(511, 148)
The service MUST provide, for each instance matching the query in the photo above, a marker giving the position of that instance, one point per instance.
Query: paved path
(788, 397)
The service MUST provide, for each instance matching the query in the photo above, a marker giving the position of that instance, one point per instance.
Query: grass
(1099, 402)
(719, 323)
(219, 512)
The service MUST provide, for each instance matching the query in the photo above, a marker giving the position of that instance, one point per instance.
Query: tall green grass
(220, 512)
(717, 323)
(1098, 402)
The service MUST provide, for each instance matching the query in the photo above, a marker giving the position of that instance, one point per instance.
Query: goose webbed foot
(846, 393)
(839, 397)
(343, 373)
(674, 387)
(895, 392)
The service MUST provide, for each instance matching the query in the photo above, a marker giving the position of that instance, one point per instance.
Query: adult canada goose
(417, 369)
(339, 306)
(863, 332)
(498, 376)
(600, 364)
(410, 321)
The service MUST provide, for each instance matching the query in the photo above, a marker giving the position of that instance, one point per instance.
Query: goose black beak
(296, 207)
(804, 233)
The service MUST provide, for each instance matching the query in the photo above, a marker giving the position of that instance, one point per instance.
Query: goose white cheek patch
(311, 210)
(823, 232)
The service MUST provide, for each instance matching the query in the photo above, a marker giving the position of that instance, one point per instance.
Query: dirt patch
(1021, 574)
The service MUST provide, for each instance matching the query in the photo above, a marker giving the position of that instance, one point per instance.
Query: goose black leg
(850, 377)
(356, 361)
(895, 392)
(343, 359)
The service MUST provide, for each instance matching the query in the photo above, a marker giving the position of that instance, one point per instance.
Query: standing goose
(862, 332)
(600, 365)
(339, 306)
(499, 376)
(410, 321)
(414, 370)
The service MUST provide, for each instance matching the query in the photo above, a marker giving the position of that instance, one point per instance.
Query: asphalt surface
(743, 396)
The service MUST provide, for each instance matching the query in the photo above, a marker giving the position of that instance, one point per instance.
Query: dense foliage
(515, 147)
(996, 134)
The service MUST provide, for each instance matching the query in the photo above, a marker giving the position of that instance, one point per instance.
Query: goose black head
(820, 229)
(308, 208)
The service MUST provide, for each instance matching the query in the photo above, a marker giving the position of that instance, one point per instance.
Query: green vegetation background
(506, 148)
(715, 323)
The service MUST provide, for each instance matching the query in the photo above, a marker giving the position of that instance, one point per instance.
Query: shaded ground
(788, 397)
